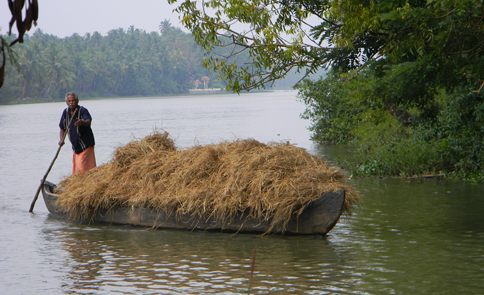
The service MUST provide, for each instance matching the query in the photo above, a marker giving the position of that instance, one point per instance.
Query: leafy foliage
(444, 136)
(332, 114)
(281, 35)
(273, 33)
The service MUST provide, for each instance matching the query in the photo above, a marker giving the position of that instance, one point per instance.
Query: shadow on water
(133, 260)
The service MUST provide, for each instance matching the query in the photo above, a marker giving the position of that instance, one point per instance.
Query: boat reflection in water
(130, 259)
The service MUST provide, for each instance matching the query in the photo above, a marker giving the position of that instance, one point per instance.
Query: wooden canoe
(317, 219)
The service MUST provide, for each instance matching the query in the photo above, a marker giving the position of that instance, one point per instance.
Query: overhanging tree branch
(23, 25)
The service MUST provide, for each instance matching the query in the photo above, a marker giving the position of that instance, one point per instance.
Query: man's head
(72, 100)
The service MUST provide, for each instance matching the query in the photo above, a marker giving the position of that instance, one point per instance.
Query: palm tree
(165, 27)
(58, 71)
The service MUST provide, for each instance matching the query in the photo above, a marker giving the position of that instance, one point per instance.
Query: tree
(273, 33)
(310, 34)
(23, 25)
(165, 27)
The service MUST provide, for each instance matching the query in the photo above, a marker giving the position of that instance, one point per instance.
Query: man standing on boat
(80, 134)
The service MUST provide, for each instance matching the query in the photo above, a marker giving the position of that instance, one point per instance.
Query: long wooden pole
(51, 164)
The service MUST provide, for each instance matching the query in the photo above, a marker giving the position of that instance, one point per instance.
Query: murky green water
(413, 237)
(407, 237)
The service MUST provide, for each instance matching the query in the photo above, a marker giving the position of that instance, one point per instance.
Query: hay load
(272, 181)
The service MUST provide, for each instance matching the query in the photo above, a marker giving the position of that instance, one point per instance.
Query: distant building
(205, 80)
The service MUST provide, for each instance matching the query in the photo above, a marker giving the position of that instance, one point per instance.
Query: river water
(407, 237)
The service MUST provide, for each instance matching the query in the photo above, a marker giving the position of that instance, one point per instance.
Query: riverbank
(27, 100)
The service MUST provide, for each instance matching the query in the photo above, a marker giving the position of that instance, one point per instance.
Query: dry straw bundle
(273, 181)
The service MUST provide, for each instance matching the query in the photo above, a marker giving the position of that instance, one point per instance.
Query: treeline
(444, 138)
(128, 62)
(416, 109)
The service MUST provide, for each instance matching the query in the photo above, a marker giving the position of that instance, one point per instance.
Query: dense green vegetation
(406, 79)
(446, 139)
(405, 87)
(123, 63)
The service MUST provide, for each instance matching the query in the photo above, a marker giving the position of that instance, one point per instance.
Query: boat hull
(317, 219)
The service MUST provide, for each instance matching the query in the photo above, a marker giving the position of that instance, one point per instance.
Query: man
(80, 134)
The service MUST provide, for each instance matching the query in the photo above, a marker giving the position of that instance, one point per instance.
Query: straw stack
(273, 181)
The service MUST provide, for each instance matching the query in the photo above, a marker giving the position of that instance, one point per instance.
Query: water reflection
(408, 236)
(424, 236)
(133, 260)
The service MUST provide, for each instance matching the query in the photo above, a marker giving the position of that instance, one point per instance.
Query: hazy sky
(66, 17)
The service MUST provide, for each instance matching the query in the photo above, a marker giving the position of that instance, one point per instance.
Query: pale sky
(66, 17)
